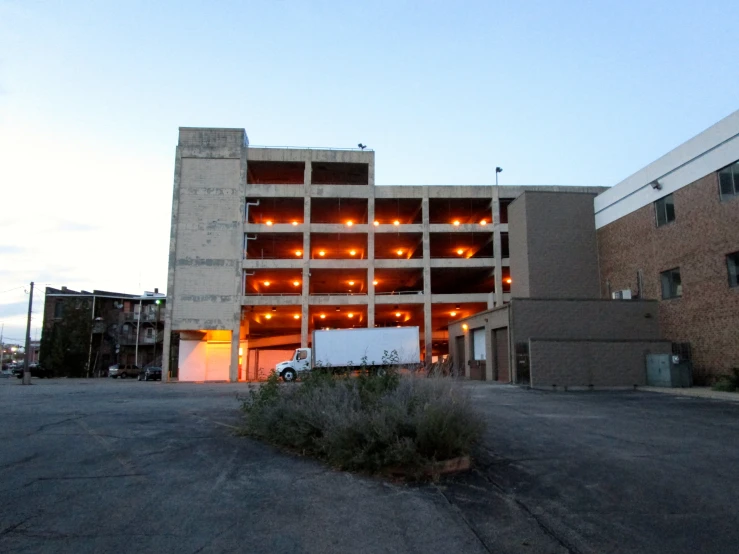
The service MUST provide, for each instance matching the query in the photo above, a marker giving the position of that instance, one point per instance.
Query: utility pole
(92, 329)
(156, 333)
(26, 371)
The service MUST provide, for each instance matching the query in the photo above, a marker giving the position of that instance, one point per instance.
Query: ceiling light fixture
(456, 223)
(376, 223)
(351, 283)
(295, 223)
(375, 282)
(323, 316)
(296, 316)
(266, 283)
(349, 223)
(274, 308)
(483, 222)
(460, 251)
(399, 252)
(352, 252)
(351, 315)
(268, 222)
(296, 283)
(508, 280)
(398, 314)
(322, 253)
(298, 253)
(453, 314)
(396, 222)
(268, 316)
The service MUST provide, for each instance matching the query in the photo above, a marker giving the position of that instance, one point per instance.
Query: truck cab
(299, 363)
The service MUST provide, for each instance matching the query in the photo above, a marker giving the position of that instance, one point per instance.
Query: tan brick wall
(586, 363)
(704, 231)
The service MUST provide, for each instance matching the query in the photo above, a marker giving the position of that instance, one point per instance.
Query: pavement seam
(544, 527)
(466, 521)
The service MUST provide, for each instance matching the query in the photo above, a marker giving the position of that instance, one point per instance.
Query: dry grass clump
(367, 423)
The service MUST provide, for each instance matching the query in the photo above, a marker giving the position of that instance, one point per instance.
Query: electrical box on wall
(624, 294)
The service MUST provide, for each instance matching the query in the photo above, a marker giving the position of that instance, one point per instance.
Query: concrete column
(168, 307)
(427, 325)
(371, 258)
(233, 370)
(305, 293)
(497, 248)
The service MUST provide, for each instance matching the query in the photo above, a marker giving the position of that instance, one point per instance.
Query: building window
(58, 310)
(728, 180)
(665, 210)
(732, 261)
(672, 286)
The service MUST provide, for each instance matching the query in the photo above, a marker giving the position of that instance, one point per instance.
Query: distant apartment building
(269, 244)
(86, 332)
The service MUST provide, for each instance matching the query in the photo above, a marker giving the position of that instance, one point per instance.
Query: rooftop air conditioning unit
(624, 294)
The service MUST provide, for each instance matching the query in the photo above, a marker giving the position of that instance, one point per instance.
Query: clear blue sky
(92, 94)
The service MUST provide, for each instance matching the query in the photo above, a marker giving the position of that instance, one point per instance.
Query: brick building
(85, 332)
(670, 233)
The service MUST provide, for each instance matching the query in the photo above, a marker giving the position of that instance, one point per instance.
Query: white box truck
(349, 349)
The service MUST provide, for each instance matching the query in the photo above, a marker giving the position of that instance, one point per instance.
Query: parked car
(123, 371)
(35, 369)
(151, 374)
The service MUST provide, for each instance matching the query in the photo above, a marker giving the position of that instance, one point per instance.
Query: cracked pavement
(128, 466)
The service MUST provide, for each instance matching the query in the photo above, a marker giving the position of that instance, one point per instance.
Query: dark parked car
(36, 371)
(151, 374)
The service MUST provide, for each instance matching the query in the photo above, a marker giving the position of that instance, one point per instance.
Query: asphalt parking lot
(127, 466)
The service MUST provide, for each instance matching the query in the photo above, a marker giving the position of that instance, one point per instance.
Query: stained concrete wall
(553, 246)
(204, 279)
(496, 318)
(584, 363)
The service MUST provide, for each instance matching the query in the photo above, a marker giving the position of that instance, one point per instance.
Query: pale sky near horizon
(92, 95)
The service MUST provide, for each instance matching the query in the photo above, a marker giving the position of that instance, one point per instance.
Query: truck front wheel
(289, 375)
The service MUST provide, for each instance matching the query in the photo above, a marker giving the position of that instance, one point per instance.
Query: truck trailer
(351, 349)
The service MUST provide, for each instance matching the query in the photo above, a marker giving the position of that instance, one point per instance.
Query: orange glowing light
(351, 283)
(396, 222)
(268, 316)
(376, 223)
(322, 253)
(268, 222)
(296, 316)
(266, 283)
(483, 222)
(400, 252)
(323, 316)
(398, 314)
(349, 223)
(295, 223)
(456, 223)
(508, 280)
(296, 283)
(375, 282)
(460, 251)
(351, 315)
(298, 253)
(453, 314)
(464, 326)
(352, 252)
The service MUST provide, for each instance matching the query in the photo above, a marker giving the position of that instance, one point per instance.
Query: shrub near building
(370, 423)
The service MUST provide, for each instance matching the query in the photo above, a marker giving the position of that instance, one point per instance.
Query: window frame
(734, 181)
(735, 261)
(662, 203)
(674, 291)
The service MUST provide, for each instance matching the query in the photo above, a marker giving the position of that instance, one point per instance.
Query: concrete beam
(274, 341)
(459, 298)
(399, 299)
(462, 262)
